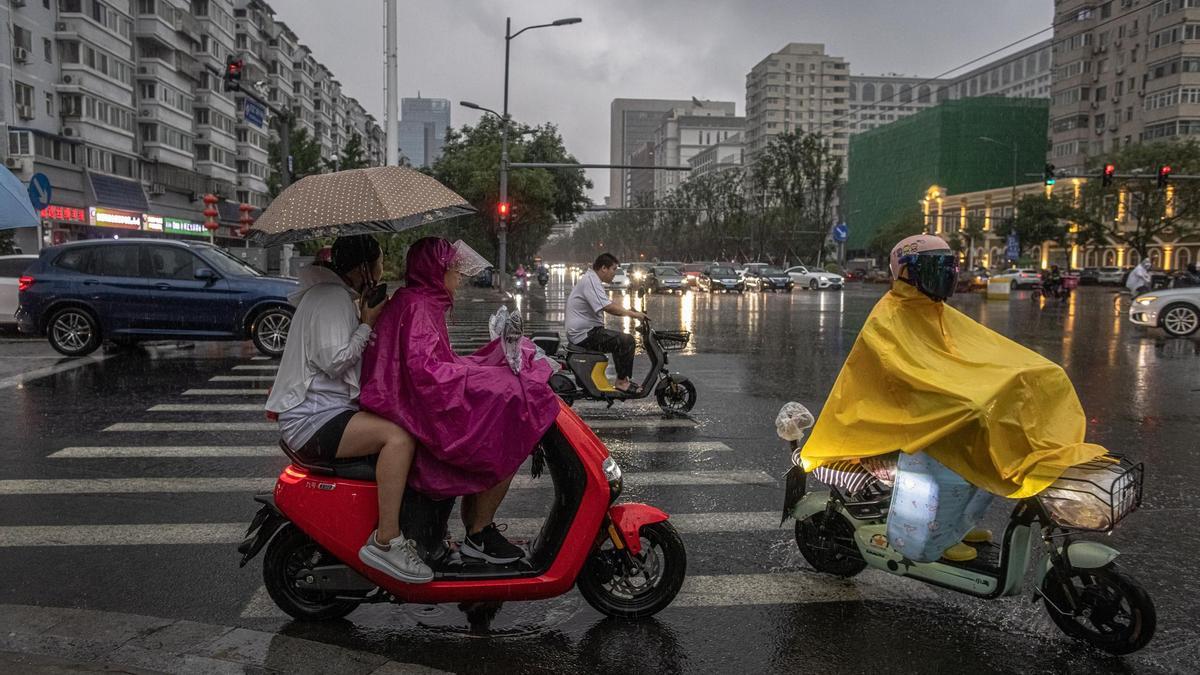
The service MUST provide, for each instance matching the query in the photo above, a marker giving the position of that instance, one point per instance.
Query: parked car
(750, 267)
(692, 272)
(879, 275)
(768, 279)
(620, 281)
(665, 279)
(971, 280)
(12, 267)
(855, 275)
(82, 293)
(1089, 276)
(814, 279)
(1019, 277)
(1110, 276)
(1175, 310)
(721, 278)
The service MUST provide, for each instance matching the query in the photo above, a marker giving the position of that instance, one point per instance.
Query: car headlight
(612, 473)
(639, 275)
(1146, 299)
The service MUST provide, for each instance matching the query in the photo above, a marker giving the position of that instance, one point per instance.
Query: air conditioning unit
(18, 3)
(20, 55)
(60, 27)
(69, 131)
(1116, 99)
(1112, 127)
(1099, 130)
(1142, 93)
(1096, 77)
(25, 112)
(158, 189)
(1120, 70)
(1095, 105)
(67, 79)
(12, 162)
(147, 112)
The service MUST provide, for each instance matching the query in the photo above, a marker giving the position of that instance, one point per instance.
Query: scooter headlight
(612, 473)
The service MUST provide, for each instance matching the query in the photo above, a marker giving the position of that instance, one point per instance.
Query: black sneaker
(488, 544)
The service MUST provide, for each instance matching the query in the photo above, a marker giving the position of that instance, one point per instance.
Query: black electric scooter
(583, 375)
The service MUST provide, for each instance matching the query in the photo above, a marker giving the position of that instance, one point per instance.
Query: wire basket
(1095, 495)
(673, 340)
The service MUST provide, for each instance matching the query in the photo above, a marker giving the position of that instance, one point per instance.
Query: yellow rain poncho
(924, 377)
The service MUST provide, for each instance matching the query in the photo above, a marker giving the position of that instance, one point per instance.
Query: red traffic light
(1164, 172)
(502, 209)
(1106, 178)
(234, 68)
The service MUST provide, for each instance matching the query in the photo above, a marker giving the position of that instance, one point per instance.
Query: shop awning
(119, 193)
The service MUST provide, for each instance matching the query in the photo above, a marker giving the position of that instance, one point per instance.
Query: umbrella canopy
(15, 207)
(358, 201)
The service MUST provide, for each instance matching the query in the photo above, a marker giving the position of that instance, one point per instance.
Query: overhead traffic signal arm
(233, 73)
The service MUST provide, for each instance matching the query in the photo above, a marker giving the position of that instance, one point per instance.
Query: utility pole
(393, 94)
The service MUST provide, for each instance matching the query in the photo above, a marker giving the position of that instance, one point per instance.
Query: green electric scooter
(843, 531)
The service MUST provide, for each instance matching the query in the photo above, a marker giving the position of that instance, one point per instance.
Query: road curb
(60, 640)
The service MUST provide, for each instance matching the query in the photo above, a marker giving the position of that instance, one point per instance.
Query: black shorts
(323, 445)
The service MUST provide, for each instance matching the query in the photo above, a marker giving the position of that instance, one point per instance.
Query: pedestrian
(1139, 278)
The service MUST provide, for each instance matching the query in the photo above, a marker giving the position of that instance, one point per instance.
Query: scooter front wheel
(829, 546)
(1111, 611)
(677, 397)
(630, 587)
(289, 552)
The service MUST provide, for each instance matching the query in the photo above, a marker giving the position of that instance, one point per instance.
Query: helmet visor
(466, 261)
(934, 274)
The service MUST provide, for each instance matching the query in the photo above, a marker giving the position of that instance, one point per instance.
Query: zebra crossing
(666, 459)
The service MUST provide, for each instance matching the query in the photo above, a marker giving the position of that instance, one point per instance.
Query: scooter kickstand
(611, 401)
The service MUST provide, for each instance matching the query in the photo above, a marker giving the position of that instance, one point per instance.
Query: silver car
(1175, 310)
(666, 280)
(11, 269)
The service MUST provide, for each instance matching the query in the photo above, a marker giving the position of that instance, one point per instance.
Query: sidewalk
(50, 640)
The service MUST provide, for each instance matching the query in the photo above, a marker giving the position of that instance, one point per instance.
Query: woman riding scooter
(971, 413)
(474, 419)
(317, 384)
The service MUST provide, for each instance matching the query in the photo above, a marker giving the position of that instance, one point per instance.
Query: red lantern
(211, 212)
(246, 220)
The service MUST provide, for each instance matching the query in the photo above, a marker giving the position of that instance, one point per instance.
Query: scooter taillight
(24, 282)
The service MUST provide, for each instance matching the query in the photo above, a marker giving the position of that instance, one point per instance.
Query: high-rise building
(1023, 74)
(686, 131)
(121, 104)
(798, 88)
(876, 100)
(632, 124)
(1124, 72)
(423, 125)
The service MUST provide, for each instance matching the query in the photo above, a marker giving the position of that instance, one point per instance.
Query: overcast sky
(635, 49)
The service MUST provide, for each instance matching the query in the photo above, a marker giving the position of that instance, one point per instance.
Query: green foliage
(6, 242)
(1038, 220)
(352, 156)
(540, 198)
(902, 225)
(306, 158)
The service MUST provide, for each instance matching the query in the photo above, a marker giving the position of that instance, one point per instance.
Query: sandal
(631, 390)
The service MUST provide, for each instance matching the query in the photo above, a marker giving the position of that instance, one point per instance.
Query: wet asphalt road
(751, 604)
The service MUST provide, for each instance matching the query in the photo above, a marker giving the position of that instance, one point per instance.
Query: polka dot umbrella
(358, 201)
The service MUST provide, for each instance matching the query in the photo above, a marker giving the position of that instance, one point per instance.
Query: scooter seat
(576, 349)
(354, 468)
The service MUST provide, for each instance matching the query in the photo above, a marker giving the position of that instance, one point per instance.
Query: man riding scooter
(967, 413)
(586, 307)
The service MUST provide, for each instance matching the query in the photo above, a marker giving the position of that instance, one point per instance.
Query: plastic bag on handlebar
(793, 420)
(508, 326)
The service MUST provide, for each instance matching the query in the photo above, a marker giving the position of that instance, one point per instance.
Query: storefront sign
(65, 214)
(113, 218)
(152, 223)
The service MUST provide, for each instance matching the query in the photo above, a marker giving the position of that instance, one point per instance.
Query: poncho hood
(922, 376)
(425, 269)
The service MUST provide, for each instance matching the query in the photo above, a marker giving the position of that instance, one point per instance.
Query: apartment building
(729, 152)
(798, 88)
(632, 123)
(875, 100)
(686, 131)
(120, 104)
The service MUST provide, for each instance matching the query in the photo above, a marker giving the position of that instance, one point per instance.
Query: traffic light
(1106, 178)
(502, 210)
(233, 74)
(1164, 174)
(1049, 174)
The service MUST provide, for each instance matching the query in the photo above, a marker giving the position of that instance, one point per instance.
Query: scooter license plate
(794, 490)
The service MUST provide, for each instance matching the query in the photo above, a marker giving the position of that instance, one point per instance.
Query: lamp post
(1014, 180)
(502, 235)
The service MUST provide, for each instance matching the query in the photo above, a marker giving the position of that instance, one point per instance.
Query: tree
(470, 165)
(1149, 216)
(1039, 220)
(306, 158)
(797, 177)
(903, 225)
(351, 157)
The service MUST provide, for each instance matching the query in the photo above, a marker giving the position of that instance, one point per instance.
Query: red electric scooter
(626, 559)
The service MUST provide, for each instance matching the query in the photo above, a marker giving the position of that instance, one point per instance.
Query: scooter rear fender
(812, 503)
(665, 382)
(1086, 555)
(629, 520)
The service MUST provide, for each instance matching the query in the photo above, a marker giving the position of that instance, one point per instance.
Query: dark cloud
(636, 48)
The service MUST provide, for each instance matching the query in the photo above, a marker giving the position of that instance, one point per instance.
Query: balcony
(154, 27)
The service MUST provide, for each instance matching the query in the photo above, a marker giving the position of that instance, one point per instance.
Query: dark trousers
(620, 345)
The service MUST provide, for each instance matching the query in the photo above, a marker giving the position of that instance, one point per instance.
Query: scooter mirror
(792, 421)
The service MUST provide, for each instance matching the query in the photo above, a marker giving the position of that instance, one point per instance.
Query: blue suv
(82, 293)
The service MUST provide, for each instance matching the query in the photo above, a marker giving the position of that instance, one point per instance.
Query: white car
(1019, 278)
(1175, 310)
(814, 279)
(1110, 276)
(620, 281)
(11, 269)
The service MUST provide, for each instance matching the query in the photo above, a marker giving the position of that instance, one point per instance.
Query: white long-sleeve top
(318, 376)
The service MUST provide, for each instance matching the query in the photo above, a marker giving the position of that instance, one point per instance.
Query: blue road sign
(1014, 247)
(841, 233)
(254, 112)
(39, 191)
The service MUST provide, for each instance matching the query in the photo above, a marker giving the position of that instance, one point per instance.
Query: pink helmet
(917, 243)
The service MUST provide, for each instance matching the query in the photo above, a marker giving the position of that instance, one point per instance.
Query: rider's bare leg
(369, 434)
(479, 510)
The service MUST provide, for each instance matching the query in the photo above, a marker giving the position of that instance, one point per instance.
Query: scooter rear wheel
(829, 546)
(1114, 612)
(290, 551)
(613, 588)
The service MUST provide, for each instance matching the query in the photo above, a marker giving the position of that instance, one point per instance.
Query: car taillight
(24, 283)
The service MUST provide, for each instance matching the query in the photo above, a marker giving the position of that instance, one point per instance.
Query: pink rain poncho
(475, 420)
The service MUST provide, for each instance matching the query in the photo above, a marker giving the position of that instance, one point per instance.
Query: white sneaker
(398, 559)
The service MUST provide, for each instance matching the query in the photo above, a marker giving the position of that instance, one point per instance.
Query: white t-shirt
(585, 307)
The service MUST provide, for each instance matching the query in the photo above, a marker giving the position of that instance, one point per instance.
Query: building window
(23, 95)
(50, 104)
(48, 50)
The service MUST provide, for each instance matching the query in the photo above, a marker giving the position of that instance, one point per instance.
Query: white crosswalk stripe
(657, 423)
(207, 407)
(80, 486)
(619, 449)
(256, 368)
(225, 392)
(241, 378)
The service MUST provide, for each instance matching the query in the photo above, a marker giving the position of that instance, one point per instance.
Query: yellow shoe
(960, 553)
(978, 535)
